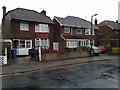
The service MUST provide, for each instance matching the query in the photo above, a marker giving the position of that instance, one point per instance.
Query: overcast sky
(106, 9)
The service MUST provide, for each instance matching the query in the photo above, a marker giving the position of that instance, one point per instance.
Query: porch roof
(74, 37)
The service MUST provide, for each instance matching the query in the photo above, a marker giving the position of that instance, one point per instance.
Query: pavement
(25, 64)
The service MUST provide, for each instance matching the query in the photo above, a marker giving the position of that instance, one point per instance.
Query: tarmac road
(103, 74)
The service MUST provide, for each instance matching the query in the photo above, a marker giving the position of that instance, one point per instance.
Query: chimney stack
(96, 22)
(4, 10)
(43, 12)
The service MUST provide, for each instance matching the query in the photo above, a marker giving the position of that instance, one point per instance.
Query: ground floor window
(78, 42)
(82, 43)
(71, 44)
(42, 42)
(88, 42)
(24, 43)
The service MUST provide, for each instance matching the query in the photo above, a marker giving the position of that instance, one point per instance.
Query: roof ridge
(27, 9)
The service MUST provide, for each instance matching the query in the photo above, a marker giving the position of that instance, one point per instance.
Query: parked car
(95, 50)
(103, 49)
(35, 50)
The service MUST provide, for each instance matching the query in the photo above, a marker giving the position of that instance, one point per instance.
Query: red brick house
(108, 33)
(72, 32)
(26, 29)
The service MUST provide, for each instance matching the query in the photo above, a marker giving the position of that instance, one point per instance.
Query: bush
(70, 49)
(84, 48)
(108, 49)
(52, 51)
(5, 45)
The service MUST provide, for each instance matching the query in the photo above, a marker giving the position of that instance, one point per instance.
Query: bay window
(72, 44)
(42, 42)
(42, 28)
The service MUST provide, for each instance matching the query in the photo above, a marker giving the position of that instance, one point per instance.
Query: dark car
(35, 50)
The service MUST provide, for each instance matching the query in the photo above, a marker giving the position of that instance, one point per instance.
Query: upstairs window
(42, 28)
(66, 30)
(79, 31)
(88, 32)
(37, 28)
(24, 26)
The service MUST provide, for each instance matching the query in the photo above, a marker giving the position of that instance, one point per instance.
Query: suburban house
(72, 32)
(108, 33)
(26, 29)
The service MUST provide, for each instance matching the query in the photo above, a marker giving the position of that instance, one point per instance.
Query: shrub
(52, 51)
(70, 49)
(5, 45)
(84, 48)
(108, 49)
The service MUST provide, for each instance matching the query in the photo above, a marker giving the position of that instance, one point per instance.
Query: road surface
(102, 74)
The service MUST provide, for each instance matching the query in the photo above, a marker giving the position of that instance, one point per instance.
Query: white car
(95, 50)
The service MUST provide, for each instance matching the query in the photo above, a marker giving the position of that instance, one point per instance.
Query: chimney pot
(43, 12)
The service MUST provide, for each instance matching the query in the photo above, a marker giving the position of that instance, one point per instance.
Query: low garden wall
(62, 56)
(115, 50)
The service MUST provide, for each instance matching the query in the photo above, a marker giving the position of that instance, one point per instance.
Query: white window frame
(24, 26)
(22, 45)
(66, 30)
(28, 44)
(88, 32)
(88, 43)
(37, 29)
(72, 44)
(42, 42)
(80, 31)
(42, 28)
(25, 44)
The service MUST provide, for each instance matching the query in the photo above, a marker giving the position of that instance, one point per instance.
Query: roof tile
(29, 15)
(72, 21)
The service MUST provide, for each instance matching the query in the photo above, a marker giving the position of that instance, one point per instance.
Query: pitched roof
(29, 15)
(111, 24)
(72, 21)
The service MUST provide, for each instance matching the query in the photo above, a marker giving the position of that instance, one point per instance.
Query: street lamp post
(91, 32)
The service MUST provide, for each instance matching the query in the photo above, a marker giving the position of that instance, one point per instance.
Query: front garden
(49, 55)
